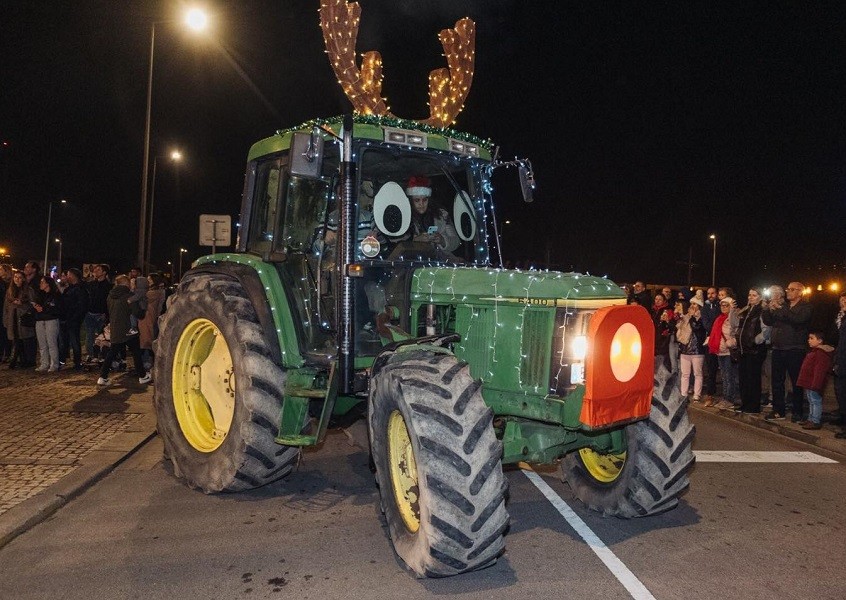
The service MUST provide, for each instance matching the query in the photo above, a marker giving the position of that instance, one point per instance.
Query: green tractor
(336, 304)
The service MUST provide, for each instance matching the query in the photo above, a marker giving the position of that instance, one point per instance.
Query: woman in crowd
(720, 342)
(665, 326)
(148, 326)
(48, 309)
(690, 333)
(19, 322)
(751, 340)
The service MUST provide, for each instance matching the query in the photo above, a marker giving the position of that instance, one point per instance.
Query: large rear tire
(652, 473)
(218, 393)
(438, 464)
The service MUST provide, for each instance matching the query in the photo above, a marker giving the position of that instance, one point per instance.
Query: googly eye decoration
(464, 217)
(392, 210)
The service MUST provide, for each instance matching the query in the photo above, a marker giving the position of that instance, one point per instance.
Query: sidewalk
(59, 435)
(822, 438)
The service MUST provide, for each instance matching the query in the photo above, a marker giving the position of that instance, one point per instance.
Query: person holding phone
(429, 224)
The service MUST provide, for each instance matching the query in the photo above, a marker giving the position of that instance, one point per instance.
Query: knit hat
(419, 185)
(696, 300)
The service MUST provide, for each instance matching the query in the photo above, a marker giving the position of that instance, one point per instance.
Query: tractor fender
(441, 344)
(248, 278)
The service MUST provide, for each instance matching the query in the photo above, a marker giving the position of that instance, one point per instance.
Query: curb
(821, 438)
(90, 469)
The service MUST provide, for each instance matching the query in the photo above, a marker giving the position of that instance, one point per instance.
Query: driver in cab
(428, 224)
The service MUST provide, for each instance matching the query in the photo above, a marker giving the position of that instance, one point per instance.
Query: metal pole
(146, 265)
(47, 242)
(214, 236)
(714, 264)
(60, 258)
(146, 168)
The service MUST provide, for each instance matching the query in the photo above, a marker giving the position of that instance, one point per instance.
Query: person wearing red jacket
(813, 376)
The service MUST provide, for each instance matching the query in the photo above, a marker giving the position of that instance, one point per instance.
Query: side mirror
(527, 180)
(307, 155)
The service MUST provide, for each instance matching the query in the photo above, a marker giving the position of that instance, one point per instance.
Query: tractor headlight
(626, 350)
(579, 347)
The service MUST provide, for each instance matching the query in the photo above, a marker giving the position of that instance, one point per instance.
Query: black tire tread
(254, 458)
(658, 461)
(463, 491)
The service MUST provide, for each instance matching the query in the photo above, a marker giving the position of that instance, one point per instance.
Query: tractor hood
(539, 288)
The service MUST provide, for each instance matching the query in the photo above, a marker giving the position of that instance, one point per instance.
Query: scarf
(716, 334)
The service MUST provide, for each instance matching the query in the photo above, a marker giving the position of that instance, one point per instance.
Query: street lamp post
(47, 240)
(175, 156)
(181, 252)
(196, 20)
(170, 264)
(714, 261)
(59, 263)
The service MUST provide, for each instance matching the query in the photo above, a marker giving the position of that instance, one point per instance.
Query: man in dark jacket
(640, 295)
(790, 321)
(98, 291)
(119, 312)
(76, 306)
(839, 366)
(710, 311)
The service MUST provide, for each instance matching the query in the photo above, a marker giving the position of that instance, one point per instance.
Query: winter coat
(840, 353)
(51, 306)
(139, 295)
(751, 334)
(75, 301)
(119, 312)
(12, 314)
(721, 339)
(98, 294)
(147, 325)
(696, 345)
(663, 329)
(790, 325)
(815, 368)
(710, 311)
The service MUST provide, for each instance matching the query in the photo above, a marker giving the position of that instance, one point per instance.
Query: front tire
(218, 393)
(438, 464)
(652, 473)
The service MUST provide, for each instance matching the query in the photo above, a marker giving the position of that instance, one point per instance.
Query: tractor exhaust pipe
(346, 248)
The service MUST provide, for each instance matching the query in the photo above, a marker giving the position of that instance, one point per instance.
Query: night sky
(650, 127)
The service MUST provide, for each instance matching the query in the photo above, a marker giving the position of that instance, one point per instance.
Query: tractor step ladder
(295, 408)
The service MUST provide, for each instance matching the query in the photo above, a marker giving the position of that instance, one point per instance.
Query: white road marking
(751, 456)
(637, 590)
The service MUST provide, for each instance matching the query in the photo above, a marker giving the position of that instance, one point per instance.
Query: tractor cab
(417, 200)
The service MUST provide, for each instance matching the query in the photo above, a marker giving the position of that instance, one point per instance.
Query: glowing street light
(47, 240)
(196, 20)
(714, 261)
(176, 157)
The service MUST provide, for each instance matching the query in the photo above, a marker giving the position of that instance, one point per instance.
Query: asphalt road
(744, 530)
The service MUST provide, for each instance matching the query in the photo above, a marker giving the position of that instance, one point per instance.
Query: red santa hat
(419, 185)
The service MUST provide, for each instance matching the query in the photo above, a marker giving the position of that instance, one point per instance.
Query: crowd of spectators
(46, 319)
(754, 348)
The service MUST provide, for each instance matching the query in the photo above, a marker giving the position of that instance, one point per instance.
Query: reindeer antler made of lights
(448, 88)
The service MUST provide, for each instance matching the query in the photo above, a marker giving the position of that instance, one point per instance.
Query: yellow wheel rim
(403, 469)
(604, 468)
(203, 385)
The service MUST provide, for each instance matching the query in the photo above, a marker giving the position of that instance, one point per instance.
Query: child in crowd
(813, 376)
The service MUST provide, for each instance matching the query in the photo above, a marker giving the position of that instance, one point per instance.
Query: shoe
(724, 405)
(801, 423)
(796, 419)
(132, 331)
(697, 399)
(146, 379)
(738, 410)
(774, 416)
(105, 381)
(41, 370)
(811, 425)
(56, 370)
(709, 401)
(750, 412)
